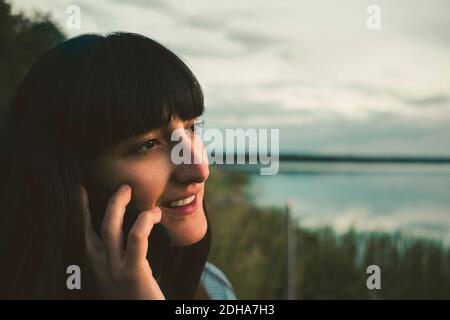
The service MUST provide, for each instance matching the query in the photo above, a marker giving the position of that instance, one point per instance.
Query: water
(413, 199)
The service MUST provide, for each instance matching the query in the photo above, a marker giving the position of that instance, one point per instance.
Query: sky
(312, 69)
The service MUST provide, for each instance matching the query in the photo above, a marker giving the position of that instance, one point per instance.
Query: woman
(87, 172)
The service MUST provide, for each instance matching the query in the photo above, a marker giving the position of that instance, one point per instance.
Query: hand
(122, 274)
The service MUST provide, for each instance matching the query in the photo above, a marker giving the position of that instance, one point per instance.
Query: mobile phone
(159, 239)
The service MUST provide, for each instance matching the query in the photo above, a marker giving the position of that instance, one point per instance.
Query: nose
(196, 170)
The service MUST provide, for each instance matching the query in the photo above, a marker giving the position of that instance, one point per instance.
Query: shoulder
(217, 283)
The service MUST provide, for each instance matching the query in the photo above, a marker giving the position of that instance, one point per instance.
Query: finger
(111, 229)
(137, 242)
(94, 246)
(92, 240)
(96, 255)
(85, 207)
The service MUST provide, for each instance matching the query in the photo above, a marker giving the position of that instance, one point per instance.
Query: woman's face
(144, 162)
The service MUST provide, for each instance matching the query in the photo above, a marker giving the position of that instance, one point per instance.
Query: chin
(188, 231)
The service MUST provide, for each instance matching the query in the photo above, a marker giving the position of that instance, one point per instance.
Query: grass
(249, 245)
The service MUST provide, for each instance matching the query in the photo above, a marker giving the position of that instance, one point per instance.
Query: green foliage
(22, 41)
(249, 244)
(240, 243)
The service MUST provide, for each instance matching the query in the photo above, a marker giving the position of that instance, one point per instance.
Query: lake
(408, 198)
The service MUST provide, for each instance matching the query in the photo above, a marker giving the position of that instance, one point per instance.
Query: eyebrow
(135, 141)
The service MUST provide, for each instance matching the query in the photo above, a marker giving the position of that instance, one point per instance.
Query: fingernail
(157, 215)
(124, 187)
(156, 210)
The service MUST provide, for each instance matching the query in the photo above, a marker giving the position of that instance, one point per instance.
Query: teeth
(182, 202)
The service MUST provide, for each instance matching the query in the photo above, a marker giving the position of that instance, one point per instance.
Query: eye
(147, 146)
(196, 126)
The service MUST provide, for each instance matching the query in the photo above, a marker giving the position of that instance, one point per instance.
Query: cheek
(147, 180)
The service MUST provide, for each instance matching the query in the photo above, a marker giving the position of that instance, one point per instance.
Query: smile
(184, 206)
(182, 202)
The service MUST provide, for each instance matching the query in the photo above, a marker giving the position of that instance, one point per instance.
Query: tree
(22, 41)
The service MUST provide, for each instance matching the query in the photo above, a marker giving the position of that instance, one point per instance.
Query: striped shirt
(216, 283)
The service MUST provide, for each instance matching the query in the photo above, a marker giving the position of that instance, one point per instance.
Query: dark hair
(84, 95)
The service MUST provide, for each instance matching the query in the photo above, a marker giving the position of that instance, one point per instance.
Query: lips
(180, 200)
(184, 205)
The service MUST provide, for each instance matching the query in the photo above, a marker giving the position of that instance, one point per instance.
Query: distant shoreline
(365, 159)
(356, 158)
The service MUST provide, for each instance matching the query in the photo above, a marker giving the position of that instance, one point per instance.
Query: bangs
(129, 85)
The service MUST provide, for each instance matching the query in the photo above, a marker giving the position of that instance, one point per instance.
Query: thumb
(156, 211)
(85, 207)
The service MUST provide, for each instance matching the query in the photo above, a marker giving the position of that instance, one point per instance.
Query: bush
(249, 244)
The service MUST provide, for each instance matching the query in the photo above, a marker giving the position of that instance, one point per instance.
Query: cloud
(204, 23)
(252, 40)
(303, 65)
(437, 99)
(407, 98)
(156, 4)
